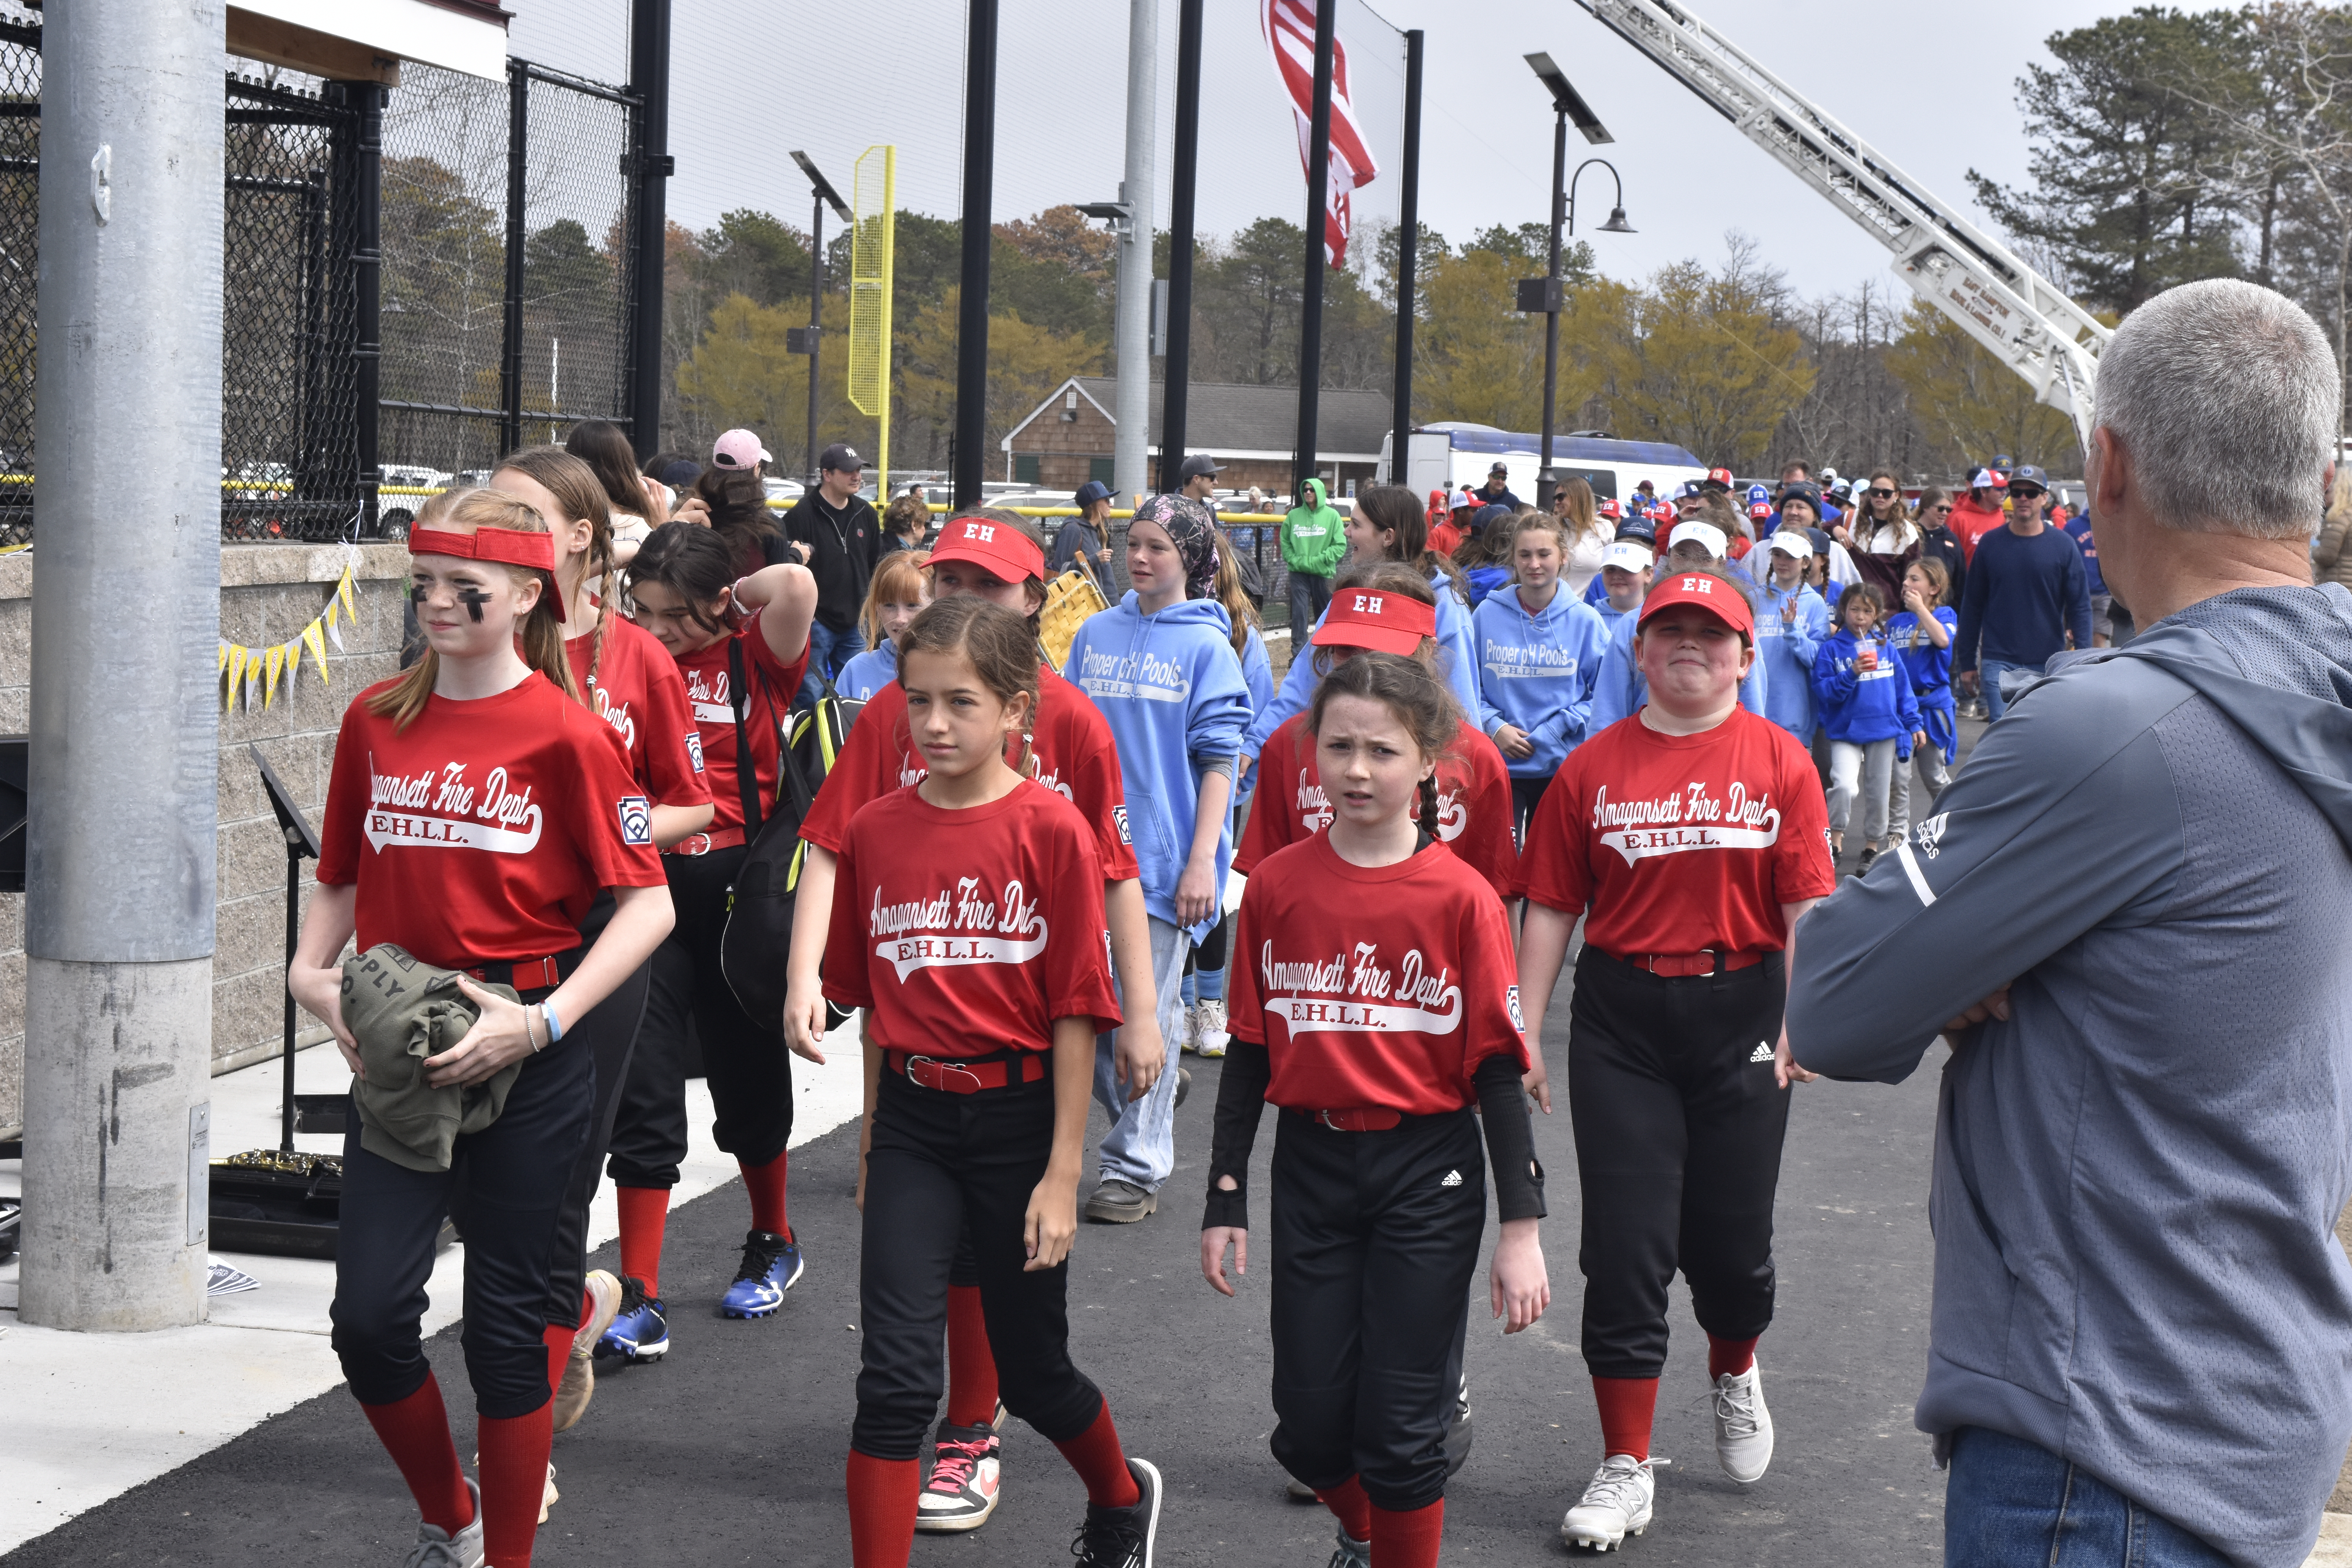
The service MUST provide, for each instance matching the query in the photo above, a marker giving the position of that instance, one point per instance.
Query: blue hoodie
(1457, 661)
(1173, 693)
(1536, 672)
(1620, 692)
(869, 672)
(1860, 706)
(1929, 666)
(1790, 629)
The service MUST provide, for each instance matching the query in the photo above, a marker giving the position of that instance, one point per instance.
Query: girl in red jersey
(634, 685)
(739, 677)
(996, 556)
(967, 920)
(476, 811)
(1376, 1037)
(1389, 607)
(1691, 835)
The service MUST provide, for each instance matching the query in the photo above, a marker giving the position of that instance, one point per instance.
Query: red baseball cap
(1385, 623)
(1716, 596)
(1718, 477)
(1610, 509)
(1005, 550)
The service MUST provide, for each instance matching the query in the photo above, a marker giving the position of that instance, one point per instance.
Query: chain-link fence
(509, 277)
(20, 214)
(1257, 545)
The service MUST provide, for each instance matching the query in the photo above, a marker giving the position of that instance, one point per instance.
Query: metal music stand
(301, 843)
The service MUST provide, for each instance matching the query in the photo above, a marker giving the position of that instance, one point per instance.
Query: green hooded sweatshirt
(1314, 537)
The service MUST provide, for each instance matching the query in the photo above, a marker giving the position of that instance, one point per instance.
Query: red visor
(1715, 595)
(1003, 549)
(507, 546)
(1385, 623)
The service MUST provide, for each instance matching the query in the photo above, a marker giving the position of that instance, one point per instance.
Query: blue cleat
(640, 1330)
(772, 1266)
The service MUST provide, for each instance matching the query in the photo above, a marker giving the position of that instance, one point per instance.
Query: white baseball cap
(1628, 554)
(1697, 532)
(1791, 543)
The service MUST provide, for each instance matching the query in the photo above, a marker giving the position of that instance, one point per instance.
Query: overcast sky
(1929, 87)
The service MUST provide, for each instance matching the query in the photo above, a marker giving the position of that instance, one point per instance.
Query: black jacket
(842, 548)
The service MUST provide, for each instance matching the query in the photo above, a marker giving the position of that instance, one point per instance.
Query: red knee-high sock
(559, 1351)
(644, 1212)
(1729, 1355)
(971, 1365)
(415, 1431)
(882, 1496)
(766, 1186)
(1350, 1507)
(1627, 1404)
(1101, 1463)
(513, 1465)
(587, 1310)
(1407, 1540)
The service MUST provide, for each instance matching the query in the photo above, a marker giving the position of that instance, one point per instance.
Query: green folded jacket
(402, 1010)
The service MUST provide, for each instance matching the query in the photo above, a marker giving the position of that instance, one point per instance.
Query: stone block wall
(269, 593)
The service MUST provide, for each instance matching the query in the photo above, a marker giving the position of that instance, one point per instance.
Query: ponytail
(1429, 805)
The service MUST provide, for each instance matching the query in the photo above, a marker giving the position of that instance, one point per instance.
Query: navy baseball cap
(1640, 526)
(1090, 492)
(1489, 514)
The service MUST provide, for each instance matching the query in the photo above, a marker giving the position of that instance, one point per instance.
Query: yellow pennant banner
(244, 669)
(316, 641)
(273, 662)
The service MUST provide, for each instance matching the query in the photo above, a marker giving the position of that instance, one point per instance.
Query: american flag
(1290, 27)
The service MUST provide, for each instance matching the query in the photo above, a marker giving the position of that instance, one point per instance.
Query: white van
(1449, 454)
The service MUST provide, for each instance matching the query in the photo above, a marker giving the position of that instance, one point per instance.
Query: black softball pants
(1679, 1125)
(940, 1163)
(749, 1067)
(504, 1187)
(1375, 1239)
(609, 1033)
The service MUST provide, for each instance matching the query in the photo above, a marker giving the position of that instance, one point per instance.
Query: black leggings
(504, 1187)
(1527, 793)
(1375, 1241)
(1679, 1125)
(750, 1068)
(940, 1163)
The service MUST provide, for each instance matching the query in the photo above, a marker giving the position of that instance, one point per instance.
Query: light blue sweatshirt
(1457, 662)
(869, 672)
(1790, 629)
(1621, 691)
(1536, 673)
(1173, 695)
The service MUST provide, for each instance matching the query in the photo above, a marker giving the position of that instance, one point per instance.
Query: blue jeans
(1140, 1146)
(828, 651)
(1988, 675)
(2010, 1504)
(1309, 597)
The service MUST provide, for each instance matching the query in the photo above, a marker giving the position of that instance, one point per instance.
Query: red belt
(522, 973)
(1680, 965)
(1364, 1119)
(951, 1076)
(704, 843)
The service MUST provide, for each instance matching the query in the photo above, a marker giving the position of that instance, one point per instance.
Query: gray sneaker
(436, 1548)
(1351, 1553)
(1120, 1203)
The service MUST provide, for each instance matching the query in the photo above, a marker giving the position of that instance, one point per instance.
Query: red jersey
(638, 691)
(967, 932)
(1395, 1012)
(1076, 758)
(1682, 844)
(484, 829)
(1474, 803)
(773, 686)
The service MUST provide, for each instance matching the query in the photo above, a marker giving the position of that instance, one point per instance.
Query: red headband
(507, 546)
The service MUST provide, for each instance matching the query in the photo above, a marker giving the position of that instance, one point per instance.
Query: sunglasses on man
(2025, 492)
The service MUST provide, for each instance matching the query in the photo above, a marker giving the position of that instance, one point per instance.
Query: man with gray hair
(2127, 916)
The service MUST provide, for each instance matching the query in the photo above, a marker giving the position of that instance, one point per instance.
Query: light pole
(1545, 293)
(821, 196)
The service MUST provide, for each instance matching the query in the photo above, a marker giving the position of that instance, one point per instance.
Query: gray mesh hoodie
(2137, 1177)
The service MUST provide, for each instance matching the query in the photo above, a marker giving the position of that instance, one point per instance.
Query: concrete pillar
(1132, 448)
(121, 853)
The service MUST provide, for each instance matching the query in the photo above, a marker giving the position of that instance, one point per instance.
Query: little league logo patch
(1511, 1000)
(694, 748)
(636, 820)
(1118, 815)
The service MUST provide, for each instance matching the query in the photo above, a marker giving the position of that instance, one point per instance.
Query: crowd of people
(1648, 721)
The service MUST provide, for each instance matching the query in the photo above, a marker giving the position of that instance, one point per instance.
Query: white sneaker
(1188, 1029)
(1743, 1427)
(1209, 1027)
(435, 1548)
(1614, 1506)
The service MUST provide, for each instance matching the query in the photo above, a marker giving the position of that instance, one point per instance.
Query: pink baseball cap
(739, 451)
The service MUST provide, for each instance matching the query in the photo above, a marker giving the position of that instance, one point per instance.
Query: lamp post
(821, 196)
(1545, 293)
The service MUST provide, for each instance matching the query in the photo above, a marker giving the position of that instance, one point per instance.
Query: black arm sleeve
(1510, 1140)
(1241, 1102)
